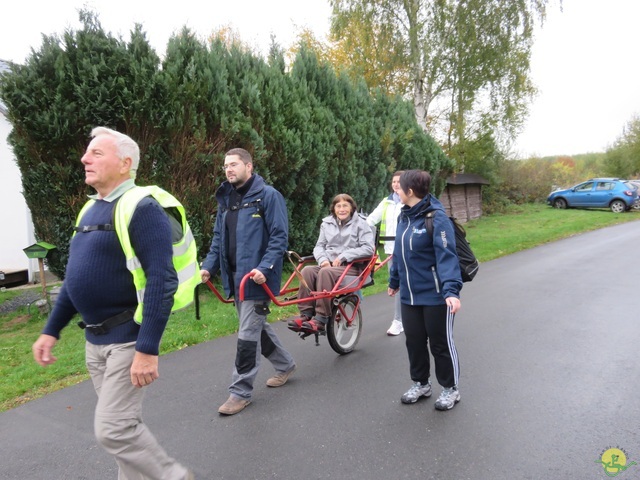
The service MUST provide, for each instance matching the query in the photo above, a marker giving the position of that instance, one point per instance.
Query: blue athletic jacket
(425, 267)
(262, 236)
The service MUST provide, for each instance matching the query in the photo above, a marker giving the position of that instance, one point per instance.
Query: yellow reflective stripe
(186, 273)
(133, 264)
(183, 247)
(383, 220)
(137, 317)
(189, 278)
(81, 213)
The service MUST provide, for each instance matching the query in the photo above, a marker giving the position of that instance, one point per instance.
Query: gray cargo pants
(255, 338)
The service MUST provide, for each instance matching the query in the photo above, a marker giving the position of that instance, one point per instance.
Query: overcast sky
(585, 60)
(585, 64)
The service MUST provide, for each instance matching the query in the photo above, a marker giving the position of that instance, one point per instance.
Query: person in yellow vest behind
(124, 299)
(386, 214)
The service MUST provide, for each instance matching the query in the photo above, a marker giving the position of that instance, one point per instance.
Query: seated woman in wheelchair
(344, 237)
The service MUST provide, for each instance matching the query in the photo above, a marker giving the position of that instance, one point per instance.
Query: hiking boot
(396, 328)
(280, 378)
(233, 405)
(416, 391)
(313, 326)
(448, 399)
(295, 324)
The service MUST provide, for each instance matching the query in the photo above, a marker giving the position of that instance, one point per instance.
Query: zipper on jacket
(406, 267)
(435, 279)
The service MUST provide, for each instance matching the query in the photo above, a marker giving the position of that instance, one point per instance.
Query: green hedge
(313, 133)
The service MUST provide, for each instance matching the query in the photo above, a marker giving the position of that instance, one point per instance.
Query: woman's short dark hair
(343, 197)
(417, 180)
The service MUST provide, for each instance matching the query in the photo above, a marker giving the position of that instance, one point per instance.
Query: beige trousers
(118, 417)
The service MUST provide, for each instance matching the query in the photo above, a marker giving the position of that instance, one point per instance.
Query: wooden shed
(462, 197)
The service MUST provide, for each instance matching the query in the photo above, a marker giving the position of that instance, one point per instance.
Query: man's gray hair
(126, 147)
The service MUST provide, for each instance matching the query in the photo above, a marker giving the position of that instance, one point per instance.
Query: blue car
(618, 195)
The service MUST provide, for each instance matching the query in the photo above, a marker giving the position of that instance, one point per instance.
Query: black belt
(108, 324)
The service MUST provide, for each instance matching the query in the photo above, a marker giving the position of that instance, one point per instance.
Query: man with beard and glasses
(250, 236)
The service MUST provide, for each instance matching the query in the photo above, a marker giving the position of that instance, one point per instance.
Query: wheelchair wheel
(345, 326)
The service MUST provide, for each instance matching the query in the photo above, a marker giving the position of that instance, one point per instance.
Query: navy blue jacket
(425, 267)
(262, 236)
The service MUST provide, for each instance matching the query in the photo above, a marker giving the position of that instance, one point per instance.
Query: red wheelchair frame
(345, 324)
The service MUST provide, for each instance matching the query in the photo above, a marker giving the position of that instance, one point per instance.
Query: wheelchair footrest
(304, 334)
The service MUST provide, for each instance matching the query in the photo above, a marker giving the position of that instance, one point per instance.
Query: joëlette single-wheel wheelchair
(345, 324)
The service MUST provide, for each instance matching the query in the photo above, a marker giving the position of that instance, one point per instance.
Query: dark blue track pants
(430, 327)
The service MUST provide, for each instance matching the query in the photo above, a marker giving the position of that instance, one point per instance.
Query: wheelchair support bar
(336, 290)
(372, 266)
(217, 293)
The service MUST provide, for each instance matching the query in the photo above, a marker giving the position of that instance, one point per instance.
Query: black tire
(345, 326)
(618, 206)
(560, 203)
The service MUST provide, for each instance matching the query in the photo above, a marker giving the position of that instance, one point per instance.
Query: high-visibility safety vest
(383, 221)
(185, 255)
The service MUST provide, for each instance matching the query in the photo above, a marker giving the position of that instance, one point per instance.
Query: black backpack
(468, 262)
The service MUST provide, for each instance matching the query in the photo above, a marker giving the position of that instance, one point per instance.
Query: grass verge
(492, 236)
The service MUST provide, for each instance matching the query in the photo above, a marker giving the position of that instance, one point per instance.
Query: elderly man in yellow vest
(123, 288)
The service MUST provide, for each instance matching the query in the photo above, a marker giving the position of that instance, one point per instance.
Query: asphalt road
(549, 345)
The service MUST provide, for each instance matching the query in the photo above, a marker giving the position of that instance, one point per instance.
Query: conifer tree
(313, 133)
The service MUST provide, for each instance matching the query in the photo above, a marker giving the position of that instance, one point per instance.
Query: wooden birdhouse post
(40, 250)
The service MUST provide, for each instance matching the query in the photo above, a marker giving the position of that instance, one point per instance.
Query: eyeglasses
(231, 166)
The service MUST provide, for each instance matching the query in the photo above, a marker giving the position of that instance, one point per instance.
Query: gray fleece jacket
(352, 240)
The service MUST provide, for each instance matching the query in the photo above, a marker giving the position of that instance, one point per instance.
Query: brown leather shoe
(281, 378)
(233, 405)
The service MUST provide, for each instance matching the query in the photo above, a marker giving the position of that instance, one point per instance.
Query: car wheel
(560, 203)
(618, 206)
(636, 205)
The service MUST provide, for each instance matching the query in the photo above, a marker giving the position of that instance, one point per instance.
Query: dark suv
(618, 195)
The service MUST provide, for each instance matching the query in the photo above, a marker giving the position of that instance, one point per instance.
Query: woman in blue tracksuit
(426, 272)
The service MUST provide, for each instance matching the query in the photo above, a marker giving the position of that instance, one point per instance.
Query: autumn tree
(464, 63)
(623, 158)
